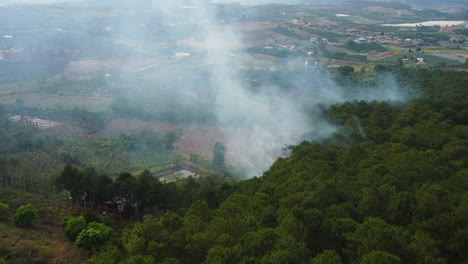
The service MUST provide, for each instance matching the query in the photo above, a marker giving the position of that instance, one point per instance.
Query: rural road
(15, 91)
(162, 64)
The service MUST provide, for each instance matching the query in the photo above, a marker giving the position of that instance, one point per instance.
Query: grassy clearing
(43, 242)
(429, 59)
(394, 48)
(18, 85)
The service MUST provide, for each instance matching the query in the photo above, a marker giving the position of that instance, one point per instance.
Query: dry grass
(44, 242)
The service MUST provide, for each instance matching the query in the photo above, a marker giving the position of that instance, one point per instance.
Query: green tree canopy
(25, 215)
(4, 211)
(94, 236)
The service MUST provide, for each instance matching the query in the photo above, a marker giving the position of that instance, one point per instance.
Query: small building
(15, 118)
(45, 124)
(420, 60)
(182, 54)
(361, 40)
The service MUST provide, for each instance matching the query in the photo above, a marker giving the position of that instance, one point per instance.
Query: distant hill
(414, 3)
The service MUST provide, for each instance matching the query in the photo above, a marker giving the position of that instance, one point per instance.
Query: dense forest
(389, 186)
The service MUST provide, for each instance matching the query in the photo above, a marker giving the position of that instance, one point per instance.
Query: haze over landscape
(194, 131)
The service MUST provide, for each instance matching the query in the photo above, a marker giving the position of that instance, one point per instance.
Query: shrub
(327, 257)
(4, 211)
(90, 216)
(72, 226)
(25, 215)
(94, 236)
(345, 70)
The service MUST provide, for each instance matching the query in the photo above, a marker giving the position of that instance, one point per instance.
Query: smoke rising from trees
(258, 122)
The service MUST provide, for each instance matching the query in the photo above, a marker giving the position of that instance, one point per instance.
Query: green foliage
(138, 260)
(388, 187)
(90, 215)
(277, 52)
(25, 215)
(109, 255)
(331, 36)
(218, 155)
(395, 5)
(170, 261)
(380, 257)
(327, 257)
(289, 33)
(374, 234)
(94, 236)
(4, 211)
(345, 70)
(364, 47)
(72, 227)
(200, 160)
(162, 108)
(462, 31)
(342, 56)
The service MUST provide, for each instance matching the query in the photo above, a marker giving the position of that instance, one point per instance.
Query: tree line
(389, 186)
(134, 196)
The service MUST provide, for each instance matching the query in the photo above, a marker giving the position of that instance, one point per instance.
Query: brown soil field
(15, 91)
(195, 139)
(88, 66)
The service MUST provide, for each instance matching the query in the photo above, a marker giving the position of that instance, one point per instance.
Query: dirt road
(15, 91)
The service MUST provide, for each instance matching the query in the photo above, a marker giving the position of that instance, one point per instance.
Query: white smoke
(259, 124)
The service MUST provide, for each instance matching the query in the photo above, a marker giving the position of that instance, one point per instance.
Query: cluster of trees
(341, 55)
(289, 33)
(164, 108)
(134, 196)
(218, 161)
(277, 52)
(97, 86)
(462, 31)
(389, 187)
(88, 231)
(4, 211)
(25, 215)
(81, 117)
(331, 36)
(129, 151)
(364, 47)
(30, 158)
(427, 37)
(15, 137)
(345, 70)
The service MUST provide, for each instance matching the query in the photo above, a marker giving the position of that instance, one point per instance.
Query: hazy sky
(11, 2)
